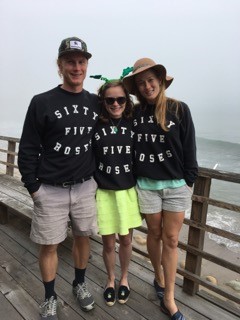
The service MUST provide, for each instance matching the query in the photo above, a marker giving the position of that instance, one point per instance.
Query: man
(56, 162)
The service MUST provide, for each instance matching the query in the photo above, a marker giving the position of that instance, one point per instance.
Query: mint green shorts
(117, 211)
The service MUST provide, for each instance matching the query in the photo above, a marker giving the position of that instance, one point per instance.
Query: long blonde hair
(162, 104)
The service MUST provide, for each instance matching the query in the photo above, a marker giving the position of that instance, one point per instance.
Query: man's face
(73, 67)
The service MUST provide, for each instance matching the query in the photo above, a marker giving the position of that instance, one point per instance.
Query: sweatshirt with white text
(55, 145)
(162, 155)
(114, 155)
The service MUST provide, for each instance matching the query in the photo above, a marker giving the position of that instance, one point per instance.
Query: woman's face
(148, 85)
(115, 101)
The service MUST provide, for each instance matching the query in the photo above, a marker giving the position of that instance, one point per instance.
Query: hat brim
(87, 55)
(129, 83)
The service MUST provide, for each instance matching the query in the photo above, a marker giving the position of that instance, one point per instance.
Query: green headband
(125, 72)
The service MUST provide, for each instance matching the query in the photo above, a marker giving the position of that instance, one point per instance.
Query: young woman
(117, 204)
(166, 168)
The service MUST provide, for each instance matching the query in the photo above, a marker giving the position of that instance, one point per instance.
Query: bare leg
(125, 252)
(172, 223)
(154, 222)
(161, 273)
(48, 262)
(109, 258)
(81, 251)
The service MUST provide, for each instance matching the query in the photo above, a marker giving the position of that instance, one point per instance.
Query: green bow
(125, 72)
(99, 76)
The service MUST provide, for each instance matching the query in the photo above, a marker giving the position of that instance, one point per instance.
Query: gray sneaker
(84, 297)
(48, 309)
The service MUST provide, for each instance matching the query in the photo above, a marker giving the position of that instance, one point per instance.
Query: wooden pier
(21, 289)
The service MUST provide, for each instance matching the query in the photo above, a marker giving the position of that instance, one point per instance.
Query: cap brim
(87, 55)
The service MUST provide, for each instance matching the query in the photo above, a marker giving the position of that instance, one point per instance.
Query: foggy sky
(198, 43)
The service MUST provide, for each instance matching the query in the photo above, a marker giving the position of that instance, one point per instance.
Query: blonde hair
(58, 62)
(162, 104)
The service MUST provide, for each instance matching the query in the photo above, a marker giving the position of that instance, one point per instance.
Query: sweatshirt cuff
(190, 184)
(33, 187)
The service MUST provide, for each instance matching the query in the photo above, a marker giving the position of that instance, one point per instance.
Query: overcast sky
(197, 41)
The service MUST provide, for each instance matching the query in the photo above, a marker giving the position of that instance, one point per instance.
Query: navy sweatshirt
(114, 155)
(55, 145)
(162, 155)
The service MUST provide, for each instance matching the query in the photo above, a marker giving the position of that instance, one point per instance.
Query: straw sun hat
(143, 65)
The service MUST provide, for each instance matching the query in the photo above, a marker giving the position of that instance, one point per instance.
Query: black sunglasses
(120, 100)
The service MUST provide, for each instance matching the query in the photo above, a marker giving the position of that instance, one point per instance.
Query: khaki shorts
(174, 200)
(54, 206)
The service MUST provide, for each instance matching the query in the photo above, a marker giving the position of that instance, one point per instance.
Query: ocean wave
(226, 222)
(223, 220)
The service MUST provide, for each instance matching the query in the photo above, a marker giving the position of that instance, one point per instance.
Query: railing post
(3, 214)
(11, 158)
(195, 235)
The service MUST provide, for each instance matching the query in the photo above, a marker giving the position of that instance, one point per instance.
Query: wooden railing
(197, 223)
(8, 154)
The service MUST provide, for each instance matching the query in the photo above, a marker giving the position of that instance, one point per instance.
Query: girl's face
(115, 101)
(148, 85)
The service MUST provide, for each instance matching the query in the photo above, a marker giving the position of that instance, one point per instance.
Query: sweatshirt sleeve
(30, 149)
(189, 146)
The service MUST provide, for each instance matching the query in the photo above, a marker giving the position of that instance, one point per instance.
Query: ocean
(224, 156)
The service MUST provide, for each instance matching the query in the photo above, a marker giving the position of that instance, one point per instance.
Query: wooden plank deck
(21, 289)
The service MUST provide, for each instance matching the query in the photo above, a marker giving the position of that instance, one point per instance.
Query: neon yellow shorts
(117, 211)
